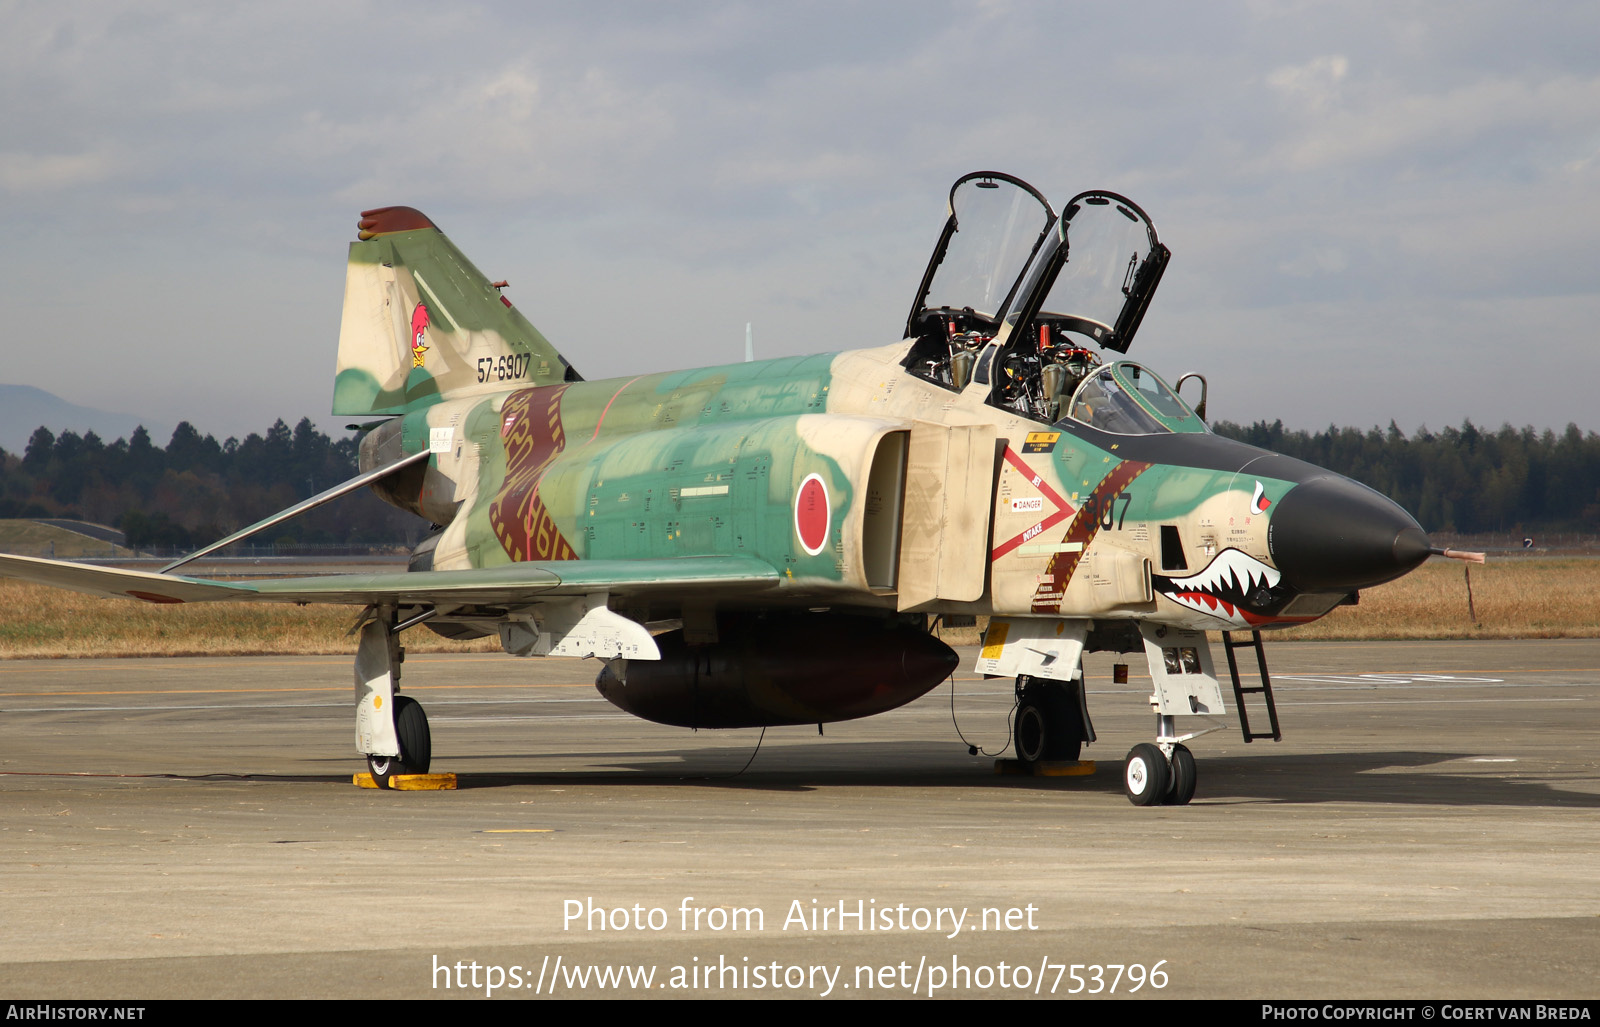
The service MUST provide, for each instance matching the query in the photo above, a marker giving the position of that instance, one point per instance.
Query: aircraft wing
(508, 584)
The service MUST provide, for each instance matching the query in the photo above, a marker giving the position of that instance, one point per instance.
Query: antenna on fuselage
(749, 343)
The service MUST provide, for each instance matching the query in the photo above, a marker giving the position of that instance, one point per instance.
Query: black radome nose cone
(1332, 534)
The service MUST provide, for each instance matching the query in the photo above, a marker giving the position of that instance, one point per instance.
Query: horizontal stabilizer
(328, 496)
(114, 583)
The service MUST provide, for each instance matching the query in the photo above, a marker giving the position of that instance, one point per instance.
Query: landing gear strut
(1052, 720)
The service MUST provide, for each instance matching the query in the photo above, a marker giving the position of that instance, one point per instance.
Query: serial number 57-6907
(503, 369)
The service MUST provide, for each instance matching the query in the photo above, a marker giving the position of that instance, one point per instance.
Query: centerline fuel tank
(802, 668)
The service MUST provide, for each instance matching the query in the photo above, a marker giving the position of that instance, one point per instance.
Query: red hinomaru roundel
(812, 514)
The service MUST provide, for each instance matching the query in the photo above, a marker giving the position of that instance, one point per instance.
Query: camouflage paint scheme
(711, 461)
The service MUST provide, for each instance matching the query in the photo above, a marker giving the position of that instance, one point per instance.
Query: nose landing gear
(1160, 775)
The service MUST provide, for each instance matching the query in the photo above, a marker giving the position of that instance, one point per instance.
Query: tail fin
(421, 324)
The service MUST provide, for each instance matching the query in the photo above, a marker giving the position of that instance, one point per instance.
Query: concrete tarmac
(177, 828)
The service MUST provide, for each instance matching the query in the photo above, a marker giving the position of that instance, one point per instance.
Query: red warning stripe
(1063, 508)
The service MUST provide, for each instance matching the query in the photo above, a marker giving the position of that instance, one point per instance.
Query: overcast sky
(1376, 211)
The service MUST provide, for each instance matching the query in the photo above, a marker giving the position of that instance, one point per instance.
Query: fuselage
(821, 466)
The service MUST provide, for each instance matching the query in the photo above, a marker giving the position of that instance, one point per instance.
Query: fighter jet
(768, 542)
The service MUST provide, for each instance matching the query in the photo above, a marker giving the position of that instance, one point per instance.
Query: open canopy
(1014, 296)
(996, 222)
(1005, 260)
(1095, 273)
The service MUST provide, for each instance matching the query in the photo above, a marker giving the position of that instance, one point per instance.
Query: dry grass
(45, 622)
(1516, 598)
(1513, 598)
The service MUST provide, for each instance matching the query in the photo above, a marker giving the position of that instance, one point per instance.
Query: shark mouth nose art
(1230, 585)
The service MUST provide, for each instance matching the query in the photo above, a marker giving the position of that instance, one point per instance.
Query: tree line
(1465, 480)
(196, 490)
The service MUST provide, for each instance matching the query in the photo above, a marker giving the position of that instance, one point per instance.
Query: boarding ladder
(1263, 689)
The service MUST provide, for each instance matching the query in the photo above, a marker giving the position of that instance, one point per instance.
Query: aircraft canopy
(995, 224)
(1095, 273)
(1005, 259)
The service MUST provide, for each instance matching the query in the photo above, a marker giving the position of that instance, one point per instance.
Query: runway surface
(187, 827)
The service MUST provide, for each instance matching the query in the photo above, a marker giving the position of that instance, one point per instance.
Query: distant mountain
(24, 408)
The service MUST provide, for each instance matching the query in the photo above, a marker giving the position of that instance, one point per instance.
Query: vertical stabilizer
(421, 324)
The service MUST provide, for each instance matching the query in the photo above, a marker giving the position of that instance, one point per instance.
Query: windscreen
(1156, 395)
(1101, 402)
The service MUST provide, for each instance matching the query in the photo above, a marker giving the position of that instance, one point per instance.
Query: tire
(1184, 775)
(416, 743)
(1030, 732)
(1145, 775)
(1047, 725)
(382, 768)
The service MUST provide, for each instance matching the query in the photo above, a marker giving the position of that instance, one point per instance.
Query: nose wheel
(1180, 790)
(1144, 775)
(1150, 778)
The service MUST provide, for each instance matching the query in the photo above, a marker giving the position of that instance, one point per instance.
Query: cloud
(43, 172)
(1313, 86)
(1450, 129)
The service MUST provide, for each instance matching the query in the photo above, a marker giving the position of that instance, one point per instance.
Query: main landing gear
(416, 743)
(1052, 721)
(391, 730)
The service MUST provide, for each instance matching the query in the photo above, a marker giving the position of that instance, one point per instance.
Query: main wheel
(416, 743)
(1046, 727)
(1029, 732)
(1144, 776)
(1184, 776)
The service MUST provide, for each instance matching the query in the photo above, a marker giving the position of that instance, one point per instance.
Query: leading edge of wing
(509, 583)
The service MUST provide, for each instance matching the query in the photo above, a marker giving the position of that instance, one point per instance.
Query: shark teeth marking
(1223, 586)
(1232, 571)
(1207, 603)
